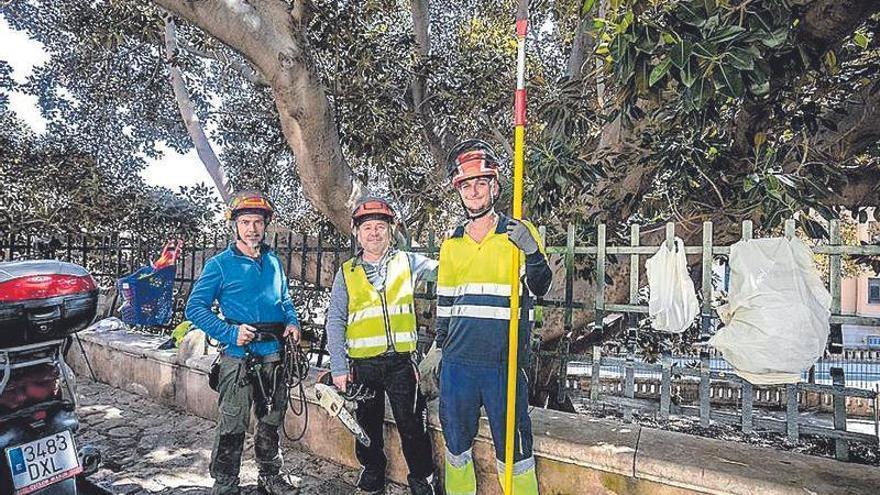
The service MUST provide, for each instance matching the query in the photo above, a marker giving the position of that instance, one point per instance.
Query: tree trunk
(419, 88)
(188, 114)
(270, 38)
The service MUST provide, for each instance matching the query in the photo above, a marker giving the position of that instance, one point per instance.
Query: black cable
(295, 369)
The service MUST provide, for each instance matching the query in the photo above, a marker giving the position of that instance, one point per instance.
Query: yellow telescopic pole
(519, 134)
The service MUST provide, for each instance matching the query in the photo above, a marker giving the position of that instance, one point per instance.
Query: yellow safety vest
(473, 296)
(378, 320)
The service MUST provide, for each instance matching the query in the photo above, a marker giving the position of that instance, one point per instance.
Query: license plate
(38, 464)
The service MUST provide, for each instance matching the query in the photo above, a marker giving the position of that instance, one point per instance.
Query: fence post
(706, 320)
(632, 324)
(564, 342)
(748, 396)
(791, 412)
(600, 279)
(304, 254)
(629, 386)
(748, 391)
(595, 384)
(665, 385)
(835, 341)
(841, 446)
(704, 390)
(85, 251)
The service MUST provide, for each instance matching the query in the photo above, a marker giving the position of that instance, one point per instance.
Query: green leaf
(739, 58)
(861, 40)
(688, 15)
(618, 47)
(830, 62)
(727, 33)
(711, 24)
(646, 42)
(588, 6)
(729, 81)
(776, 37)
(759, 84)
(681, 53)
(710, 6)
(699, 93)
(659, 71)
(687, 75)
(705, 49)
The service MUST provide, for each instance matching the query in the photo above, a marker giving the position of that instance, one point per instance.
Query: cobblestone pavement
(149, 448)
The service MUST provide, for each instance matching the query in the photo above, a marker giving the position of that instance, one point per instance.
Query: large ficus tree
(647, 111)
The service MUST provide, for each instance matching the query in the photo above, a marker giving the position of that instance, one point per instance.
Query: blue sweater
(249, 291)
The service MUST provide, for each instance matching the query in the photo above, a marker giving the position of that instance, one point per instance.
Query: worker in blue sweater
(248, 282)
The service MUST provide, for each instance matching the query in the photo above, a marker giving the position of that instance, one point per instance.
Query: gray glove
(429, 373)
(521, 237)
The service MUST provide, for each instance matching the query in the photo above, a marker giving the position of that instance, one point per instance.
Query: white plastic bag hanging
(673, 303)
(777, 317)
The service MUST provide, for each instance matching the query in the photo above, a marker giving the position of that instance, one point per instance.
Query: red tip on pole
(519, 107)
(522, 26)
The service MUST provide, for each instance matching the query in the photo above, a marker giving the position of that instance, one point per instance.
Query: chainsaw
(334, 403)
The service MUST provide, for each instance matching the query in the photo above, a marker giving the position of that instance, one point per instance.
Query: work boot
(421, 486)
(275, 484)
(221, 489)
(361, 491)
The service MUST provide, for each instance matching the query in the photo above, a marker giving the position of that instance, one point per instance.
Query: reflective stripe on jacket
(378, 320)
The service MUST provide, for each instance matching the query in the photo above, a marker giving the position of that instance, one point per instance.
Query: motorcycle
(42, 303)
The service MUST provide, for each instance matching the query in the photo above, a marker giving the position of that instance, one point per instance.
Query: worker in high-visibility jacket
(473, 318)
(372, 336)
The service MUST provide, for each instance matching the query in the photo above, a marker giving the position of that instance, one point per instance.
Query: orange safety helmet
(250, 202)
(469, 159)
(370, 208)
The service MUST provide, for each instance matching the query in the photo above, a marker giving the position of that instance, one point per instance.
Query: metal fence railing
(628, 383)
(843, 382)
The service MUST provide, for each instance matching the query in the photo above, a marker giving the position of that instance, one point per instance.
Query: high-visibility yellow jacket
(473, 295)
(379, 321)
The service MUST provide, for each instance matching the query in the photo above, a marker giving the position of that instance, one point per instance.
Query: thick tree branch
(862, 188)
(824, 25)
(857, 129)
(419, 87)
(582, 44)
(242, 68)
(188, 114)
(267, 35)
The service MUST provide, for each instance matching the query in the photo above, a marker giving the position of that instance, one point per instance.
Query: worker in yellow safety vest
(371, 338)
(473, 316)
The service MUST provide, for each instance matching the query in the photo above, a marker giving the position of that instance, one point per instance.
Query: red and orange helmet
(250, 202)
(469, 159)
(372, 208)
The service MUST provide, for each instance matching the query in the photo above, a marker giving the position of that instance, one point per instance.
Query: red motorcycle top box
(43, 300)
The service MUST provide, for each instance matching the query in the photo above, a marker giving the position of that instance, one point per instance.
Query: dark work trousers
(394, 375)
(235, 404)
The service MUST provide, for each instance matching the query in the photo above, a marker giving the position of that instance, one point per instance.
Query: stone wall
(575, 454)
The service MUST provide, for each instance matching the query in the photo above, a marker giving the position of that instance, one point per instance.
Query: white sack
(777, 317)
(672, 304)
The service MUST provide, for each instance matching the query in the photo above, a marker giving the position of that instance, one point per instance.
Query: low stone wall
(575, 454)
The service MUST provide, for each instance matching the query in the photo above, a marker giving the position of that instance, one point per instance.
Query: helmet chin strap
(480, 214)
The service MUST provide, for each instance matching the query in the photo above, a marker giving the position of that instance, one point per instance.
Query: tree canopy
(647, 110)
(639, 111)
